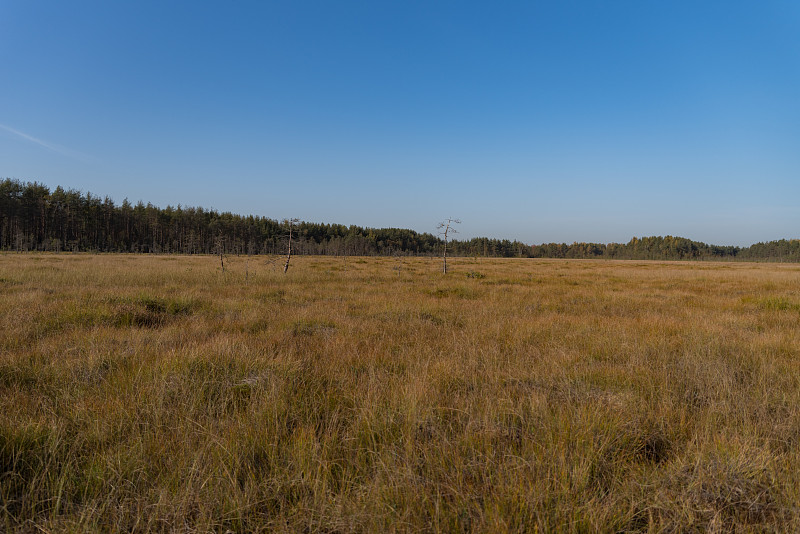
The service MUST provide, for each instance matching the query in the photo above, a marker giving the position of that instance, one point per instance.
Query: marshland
(150, 393)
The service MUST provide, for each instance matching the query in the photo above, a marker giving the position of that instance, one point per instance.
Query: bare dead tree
(291, 223)
(446, 227)
(219, 245)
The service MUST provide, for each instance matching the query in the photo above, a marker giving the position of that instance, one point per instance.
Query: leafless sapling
(219, 245)
(445, 228)
(290, 223)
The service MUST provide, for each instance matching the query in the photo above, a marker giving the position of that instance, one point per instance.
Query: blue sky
(538, 121)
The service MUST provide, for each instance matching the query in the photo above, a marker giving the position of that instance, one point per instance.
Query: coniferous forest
(34, 218)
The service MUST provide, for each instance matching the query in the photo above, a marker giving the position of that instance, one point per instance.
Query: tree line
(672, 248)
(33, 217)
(644, 248)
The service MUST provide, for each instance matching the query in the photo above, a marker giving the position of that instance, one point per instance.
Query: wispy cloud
(50, 146)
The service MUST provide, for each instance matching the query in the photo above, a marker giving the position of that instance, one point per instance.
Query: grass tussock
(160, 394)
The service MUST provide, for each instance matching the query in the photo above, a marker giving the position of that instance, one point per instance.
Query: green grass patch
(774, 303)
(153, 312)
(455, 292)
(311, 327)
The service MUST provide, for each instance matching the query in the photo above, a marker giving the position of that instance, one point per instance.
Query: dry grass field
(161, 394)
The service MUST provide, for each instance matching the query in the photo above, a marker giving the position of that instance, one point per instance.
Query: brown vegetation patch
(155, 393)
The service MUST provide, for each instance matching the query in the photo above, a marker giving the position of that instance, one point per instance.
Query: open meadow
(162, 394)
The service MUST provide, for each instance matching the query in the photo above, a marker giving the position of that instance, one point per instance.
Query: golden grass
(159, 394)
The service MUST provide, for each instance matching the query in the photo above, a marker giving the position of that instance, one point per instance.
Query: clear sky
(537, 120)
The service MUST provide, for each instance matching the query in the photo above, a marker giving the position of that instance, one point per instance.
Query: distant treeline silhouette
(32, 217)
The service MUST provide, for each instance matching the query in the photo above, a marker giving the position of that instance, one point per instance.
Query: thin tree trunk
(289, 253)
